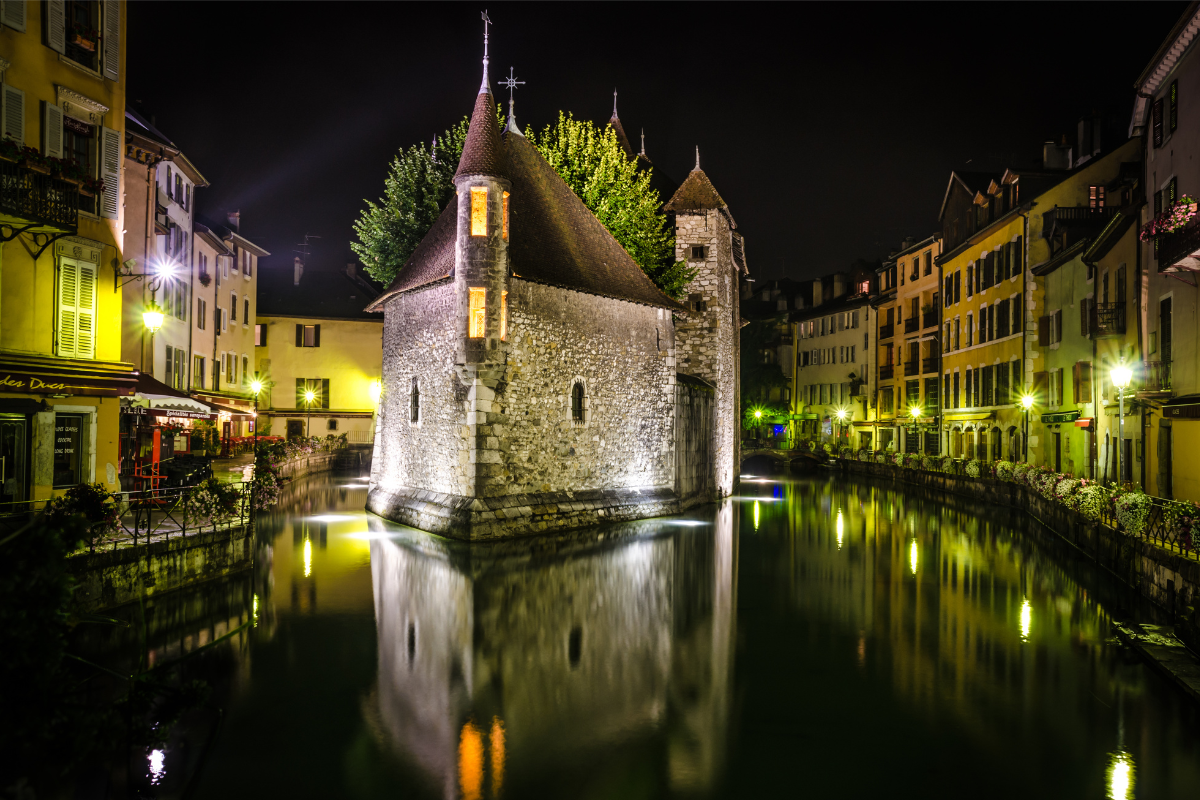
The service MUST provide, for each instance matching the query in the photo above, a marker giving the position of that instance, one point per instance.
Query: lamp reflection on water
(1026, 619)
(307, 558)
(157, 766)
(912, 556)
(470, 762)
(1120, 776)
(840, 528)
(755, 515)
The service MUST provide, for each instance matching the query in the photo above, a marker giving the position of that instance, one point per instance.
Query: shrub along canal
(832, 638)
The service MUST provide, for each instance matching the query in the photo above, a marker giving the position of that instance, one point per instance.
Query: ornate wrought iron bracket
(42, 240)
(125, 271)
(9, 232)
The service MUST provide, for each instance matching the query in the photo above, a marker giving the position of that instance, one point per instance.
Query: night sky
(830, 130)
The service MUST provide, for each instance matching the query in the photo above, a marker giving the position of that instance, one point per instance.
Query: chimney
(299, 269)
(235, 220)
(1056, 156)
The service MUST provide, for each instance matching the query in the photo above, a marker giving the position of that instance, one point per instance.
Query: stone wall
(695, 472)
(116, 577)
(496, 452)
(708, 342)
(1166, 578)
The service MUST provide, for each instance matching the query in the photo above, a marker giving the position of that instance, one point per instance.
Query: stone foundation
(491, 518)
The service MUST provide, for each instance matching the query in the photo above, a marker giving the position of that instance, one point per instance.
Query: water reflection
(502, 663)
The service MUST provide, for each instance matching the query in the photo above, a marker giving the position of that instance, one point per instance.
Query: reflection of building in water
(496, 664)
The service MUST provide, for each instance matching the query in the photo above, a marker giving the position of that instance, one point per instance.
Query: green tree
(587, 157)
(419, 183)
(590, 160)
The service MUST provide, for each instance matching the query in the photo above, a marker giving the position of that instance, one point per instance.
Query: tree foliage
(419, 183)
(588, 158)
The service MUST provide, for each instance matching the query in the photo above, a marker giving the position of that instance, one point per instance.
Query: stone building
(529, 365)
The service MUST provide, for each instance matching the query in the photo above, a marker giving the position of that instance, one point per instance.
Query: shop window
(70, 443)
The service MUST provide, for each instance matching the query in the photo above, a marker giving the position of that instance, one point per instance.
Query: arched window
(415, 410)
(577, 402)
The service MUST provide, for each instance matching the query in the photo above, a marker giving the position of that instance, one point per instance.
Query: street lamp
(309, 396)
(1121, 377)
(1026, 403)
(153, 318)
(841, 417)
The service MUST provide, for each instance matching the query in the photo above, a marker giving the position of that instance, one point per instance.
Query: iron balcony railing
(910, 367)
(886, 330)
(1156, 376)
(1104, 320)
(910, 324)
(929, 319)
(886, 371)
(38, 200)
(1175, 247)
(929, 364)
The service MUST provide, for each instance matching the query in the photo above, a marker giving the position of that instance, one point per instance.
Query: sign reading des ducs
(93, 384)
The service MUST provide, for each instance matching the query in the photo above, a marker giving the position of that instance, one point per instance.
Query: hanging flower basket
(1172, 219)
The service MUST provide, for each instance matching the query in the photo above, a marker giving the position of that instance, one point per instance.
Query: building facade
(61, 364)
(312, 335)
(912, 350)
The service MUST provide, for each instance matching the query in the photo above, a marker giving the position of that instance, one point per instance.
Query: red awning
(1083, 422)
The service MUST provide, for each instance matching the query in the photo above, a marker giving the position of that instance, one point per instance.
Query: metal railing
(910, 367)
(1106, 319)
(886, 330)
(1175, 247)
(886, 371)
(929, 319)
(930, 364)
(1156, 376)
(38, 199)
(910, 324)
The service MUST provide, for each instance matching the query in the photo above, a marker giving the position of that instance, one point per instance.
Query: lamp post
(915, 413)
(309, 396)
(841, 417)
(1026, 403)
(1121, 376)
(255, 387)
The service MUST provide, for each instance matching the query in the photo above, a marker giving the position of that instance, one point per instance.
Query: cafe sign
(165, 413)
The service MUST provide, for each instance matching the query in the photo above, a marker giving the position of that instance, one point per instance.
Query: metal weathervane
(511, 83)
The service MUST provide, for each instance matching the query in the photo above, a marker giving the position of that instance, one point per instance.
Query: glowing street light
(758, 413)
(1026, 403)
(153, 318)
(309, 396)
(1121, 377)
(376, 391)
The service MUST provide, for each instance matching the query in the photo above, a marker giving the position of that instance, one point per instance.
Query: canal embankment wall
(112, 578)
(1167, 579)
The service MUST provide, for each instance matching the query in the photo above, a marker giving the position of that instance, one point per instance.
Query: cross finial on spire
(643, 153)
(614, 102)
(485, 88)
(512, 83)
(697, 156)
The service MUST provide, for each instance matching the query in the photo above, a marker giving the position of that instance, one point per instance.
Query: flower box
(85, 44)
(85, 191)
(35, 167)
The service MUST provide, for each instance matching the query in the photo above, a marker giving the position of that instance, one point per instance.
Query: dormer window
(478, 211)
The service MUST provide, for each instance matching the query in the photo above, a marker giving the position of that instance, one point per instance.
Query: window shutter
(13, 14)
(325, 393)
(301, 385)
(1085, 317)
(1040, 384)
(1019, 260)
(1156, 124)
(317, 336)
(85, 346)
(68, 303)
(1043, 331)
(14, 114)
(112, 39)
(299, 335)
(56, 25)
(170, 365)
(1085, 381)
(52, 130)
(110, 172)
(1057, 326)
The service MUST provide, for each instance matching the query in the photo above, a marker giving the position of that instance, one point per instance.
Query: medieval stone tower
(707, 340)
(530, 377)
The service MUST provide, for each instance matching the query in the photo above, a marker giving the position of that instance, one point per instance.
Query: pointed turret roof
(696, 194)
(482, 154)
(622, 139)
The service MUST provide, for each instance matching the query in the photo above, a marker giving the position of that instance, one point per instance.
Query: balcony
(910, 367)
(1064, 225)
(929, 365)
(910, 325)
(885, 331)
(929, 319)
(1156, 378)
(31, 202)
(1103, 320)
(1180, 248)
(886, 372)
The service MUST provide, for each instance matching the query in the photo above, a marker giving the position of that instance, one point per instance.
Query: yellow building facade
(61, 372)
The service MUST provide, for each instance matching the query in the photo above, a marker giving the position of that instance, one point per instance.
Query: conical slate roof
(622, 139)
(553, 238)
(482, 154)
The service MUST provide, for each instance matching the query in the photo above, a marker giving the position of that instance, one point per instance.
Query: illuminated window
(478, 211)
(477, 315)
(1096, 197)
(505, 227)
(503, 314)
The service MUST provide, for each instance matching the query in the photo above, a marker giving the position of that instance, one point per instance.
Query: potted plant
(91, 187)
(10, 150)
(205, 279)
(199, 445)
(84, 37)
(33, 159)
(97, 508)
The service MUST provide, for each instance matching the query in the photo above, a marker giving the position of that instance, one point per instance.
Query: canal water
(811, 637)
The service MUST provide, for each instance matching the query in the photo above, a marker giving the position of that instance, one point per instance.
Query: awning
(1060, 416)
(1084, 422)
(167, 413)
(1186, 407)
(233, 412)
(970, 417)
(161, 396)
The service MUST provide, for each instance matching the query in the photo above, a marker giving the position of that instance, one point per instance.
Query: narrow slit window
(505, 223)
(415, 402)
(503, 315)
(478, 211)
(478, 313)
(577, 402)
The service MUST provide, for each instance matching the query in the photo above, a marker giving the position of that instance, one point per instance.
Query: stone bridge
(799, 457)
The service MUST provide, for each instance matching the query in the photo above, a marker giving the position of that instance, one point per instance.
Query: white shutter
(56, 25)
(112, 39)
(110, 171)
(85, 342)
(52, 130)
(14, 115)
(14, 14)
(68, 305)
